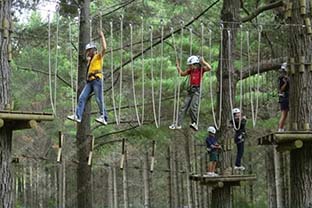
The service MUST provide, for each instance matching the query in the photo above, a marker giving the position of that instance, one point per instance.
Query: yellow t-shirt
(95, 67)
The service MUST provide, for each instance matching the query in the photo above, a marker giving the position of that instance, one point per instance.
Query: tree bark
(300, 44)
(221, 197)
(6, 189)
(84, 193)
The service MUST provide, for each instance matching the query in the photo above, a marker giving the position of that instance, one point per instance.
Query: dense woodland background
(39, 181)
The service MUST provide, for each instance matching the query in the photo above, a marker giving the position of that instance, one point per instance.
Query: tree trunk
(170, 184)
(300, 44)
(270, 176)
(110, 187)
(125, 183)
(84, 193)
(221, 197)
(146, 181)
(115, 188)
(6, 189)
(278, 182)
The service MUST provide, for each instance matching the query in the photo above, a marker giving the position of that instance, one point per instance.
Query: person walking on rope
(94, 82)
(212, 147)
(239, 125)
(283, 93)
(197, 66)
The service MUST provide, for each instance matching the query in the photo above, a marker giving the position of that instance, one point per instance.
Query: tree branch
(259, 10)
(265, 66)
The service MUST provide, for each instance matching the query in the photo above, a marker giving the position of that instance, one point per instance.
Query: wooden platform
(22, 120)
(219, 181)
(286, 141)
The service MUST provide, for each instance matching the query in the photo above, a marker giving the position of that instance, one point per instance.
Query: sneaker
(101, 120)
(239, 167)
(194, 126)
(173, 126)
(215, 174)
(280, 130)
(209, 174)
(74, 118)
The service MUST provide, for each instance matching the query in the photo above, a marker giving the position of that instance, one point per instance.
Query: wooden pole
(153, 156)
(122, 161)
(91, 151)
(59, 152)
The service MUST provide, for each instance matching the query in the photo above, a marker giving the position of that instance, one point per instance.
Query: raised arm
(103, 43)
(205, 64)
(182, 73)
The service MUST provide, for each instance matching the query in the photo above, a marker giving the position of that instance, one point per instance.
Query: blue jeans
(240, 152)
(96, 86)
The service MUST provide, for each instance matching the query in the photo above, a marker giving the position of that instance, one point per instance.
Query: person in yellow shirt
(94, 82)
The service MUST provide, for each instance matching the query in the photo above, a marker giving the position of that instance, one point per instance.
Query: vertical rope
(191, 40)
(56, 56)
(210, 82)
(50, 70)
(143, 74)
(230, 80)
(76, 90)
(258, 75)
(90, 29)
(161, 69)
(102, 80)
(71, 69)
(175, 83)
(250, 85)
(121, 67)
(132, 73)
(152, 77)
(178, 80)
(112, 70)
(201, 70)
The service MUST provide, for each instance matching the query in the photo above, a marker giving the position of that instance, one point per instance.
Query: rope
(102, 80)
(132, 73)
(175, 86)
(201, 71)
(250, 87)
(90, 30)
(178, 80)
(121, 67)
(161, 70)
(56, 56)
(191, 40)
(217, 125)
(143, 74)
(76, 90)
(50, 70)
(230, 81)
(258, 74)
(152, 77)
(71, 69)
(112, 70)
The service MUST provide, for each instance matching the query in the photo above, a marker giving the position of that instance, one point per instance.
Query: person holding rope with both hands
(94, 82)
(197, 66)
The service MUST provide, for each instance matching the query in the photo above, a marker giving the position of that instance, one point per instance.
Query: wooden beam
(91, 151)
(153, 156)
(33, 124)
(59, 152)
(122, 160)
(25, 116)
(281, 137)
(297, 144)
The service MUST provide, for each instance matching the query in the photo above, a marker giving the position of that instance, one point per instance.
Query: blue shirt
(211, 140)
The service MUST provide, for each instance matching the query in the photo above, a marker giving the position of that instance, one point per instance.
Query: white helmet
(193, 60)
(236, 110)
(211, 129)
(284, 67)
(90, 45)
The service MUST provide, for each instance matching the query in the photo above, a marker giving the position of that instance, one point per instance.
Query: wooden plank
(290, 136)
(228, 178)
(23, 116)
(91, 151)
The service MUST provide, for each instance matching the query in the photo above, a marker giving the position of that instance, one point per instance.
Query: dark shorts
(284, 105)
(213, 156)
